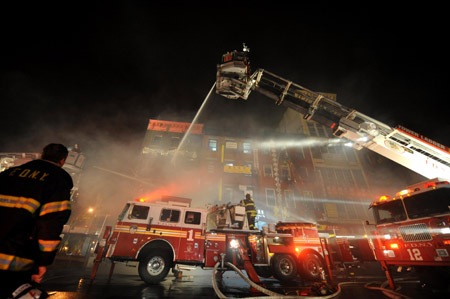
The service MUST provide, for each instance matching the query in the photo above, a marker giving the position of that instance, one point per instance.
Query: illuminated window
(247, 147)
(212, 145)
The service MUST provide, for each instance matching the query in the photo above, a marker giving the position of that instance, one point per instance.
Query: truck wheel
(284, 267)
(154, 267)
(310, 267)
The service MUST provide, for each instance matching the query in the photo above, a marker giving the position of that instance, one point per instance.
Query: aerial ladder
(404, 146)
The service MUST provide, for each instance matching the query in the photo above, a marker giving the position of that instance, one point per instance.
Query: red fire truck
(163, 234)
(413, 230)
(413, 227)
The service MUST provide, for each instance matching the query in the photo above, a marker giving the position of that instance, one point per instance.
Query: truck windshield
(431, 203)
(389, 212)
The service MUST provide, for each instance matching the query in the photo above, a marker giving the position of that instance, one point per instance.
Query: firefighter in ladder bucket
(250, 209)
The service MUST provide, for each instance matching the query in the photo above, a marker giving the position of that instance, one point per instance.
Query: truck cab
(158, 235)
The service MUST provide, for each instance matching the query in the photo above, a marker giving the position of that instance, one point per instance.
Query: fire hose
(271, 294)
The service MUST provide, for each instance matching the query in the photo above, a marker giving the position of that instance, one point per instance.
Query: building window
(300, 153)
(311, 129)
(289, 197)
(351, 211)
(321, 131)
(359, 178)
(270, 197)
(156, 140)
(303, 173)
(251, 169)
(328, 176)
(247, 148)
(340, 177)
(350, 153)
(268, 172)
(265, 150)
(316, 153)
(174, 142)
(349, 182)
(212, 145)
(227, 194)
(211, 167)
(231, 145)
(285, 172)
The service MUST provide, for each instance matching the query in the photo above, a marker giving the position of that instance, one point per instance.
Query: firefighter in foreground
(250, 209)
(34, 206)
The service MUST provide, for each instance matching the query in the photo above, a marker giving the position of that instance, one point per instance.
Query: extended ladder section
(410, 149)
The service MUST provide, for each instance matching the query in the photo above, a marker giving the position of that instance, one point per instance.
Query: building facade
(298, 172)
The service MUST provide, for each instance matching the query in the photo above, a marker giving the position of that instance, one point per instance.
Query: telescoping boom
(406, 147)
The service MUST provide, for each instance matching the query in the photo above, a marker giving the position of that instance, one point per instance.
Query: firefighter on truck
(170, 234)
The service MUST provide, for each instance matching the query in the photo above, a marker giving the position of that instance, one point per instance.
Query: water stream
(192, 124)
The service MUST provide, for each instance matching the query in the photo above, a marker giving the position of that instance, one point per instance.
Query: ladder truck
(418, 235)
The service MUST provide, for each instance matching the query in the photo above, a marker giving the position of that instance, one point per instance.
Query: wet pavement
(68, 280)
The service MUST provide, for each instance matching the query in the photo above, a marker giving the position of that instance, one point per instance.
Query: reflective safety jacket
(250, 207)
(34, 206)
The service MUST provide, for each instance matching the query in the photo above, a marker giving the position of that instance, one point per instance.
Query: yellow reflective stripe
(15, 263)
(48, 245)
(57, 206)
(19, 202)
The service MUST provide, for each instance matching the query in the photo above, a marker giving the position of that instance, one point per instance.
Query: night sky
(93, 74)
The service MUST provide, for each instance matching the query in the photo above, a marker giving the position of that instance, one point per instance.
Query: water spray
(192, 124)
(310, 142)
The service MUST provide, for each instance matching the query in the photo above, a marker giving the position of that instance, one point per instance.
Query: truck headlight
(445, 230)
(234, 243)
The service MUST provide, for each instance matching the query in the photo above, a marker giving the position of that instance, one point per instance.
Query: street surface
(71, 280)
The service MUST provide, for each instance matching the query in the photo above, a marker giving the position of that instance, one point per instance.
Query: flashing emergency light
(446, 242)
(434, 184)
(394, 246)
(384, 197)
(403, 192)
(445, 230)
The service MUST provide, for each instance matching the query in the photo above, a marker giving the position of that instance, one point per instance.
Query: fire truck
(413, 227)
(413, 230)
(170, 234)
